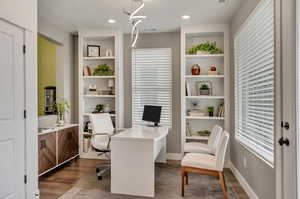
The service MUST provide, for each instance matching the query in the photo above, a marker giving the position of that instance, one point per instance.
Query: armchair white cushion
(208, 161)
(210, 147)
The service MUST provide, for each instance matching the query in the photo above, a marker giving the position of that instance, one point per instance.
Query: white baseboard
(243, 182)
(174, 156)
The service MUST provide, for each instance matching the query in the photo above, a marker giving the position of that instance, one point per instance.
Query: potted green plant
(99, 108)
(103, 70)
(61, 107)
(210, 111)
(204, 133)
(204, 89)
(204, 48)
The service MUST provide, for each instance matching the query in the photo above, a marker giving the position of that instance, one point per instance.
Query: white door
(12, 122)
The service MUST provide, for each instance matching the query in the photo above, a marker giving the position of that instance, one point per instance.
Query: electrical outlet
(245, 162)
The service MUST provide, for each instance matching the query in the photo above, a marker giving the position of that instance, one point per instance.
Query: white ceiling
(164, 15)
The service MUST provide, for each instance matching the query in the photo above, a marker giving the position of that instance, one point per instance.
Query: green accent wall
(46, 68)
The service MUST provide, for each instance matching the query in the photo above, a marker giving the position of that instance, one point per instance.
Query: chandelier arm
(137, 10)
(135, 39)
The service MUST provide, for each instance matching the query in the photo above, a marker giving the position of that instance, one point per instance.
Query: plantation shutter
(152, 83)
(254, 82)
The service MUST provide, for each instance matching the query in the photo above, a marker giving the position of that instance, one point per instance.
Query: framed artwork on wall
(93, 51)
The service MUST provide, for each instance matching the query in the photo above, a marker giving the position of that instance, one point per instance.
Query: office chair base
(102, 172)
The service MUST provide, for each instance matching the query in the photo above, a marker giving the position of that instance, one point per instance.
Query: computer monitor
(152, 114)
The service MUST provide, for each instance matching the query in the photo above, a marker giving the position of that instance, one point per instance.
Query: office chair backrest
(221, 150)
(214, 138)
(101, 123)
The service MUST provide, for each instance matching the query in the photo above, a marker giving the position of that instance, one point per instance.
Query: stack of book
(221, 110)
(196, 112)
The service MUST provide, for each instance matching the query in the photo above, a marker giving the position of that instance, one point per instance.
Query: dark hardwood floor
(61, 180)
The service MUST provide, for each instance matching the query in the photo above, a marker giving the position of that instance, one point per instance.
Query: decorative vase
(210, 114)
(196, 69)
(60, 120)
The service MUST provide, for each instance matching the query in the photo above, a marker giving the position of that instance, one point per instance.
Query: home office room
(148, 99)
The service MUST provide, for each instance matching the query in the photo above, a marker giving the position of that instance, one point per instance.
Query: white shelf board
(204, 76)
(204, 97)
(98, 58)
(99, 77)
(205, 56)
(87, 114)
(94, 96)
(197, 137)
(203, 118)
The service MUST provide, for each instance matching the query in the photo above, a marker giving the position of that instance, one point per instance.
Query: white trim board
(174, 156)
(243, 182)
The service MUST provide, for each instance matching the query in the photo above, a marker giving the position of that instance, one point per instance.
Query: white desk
(133, 156)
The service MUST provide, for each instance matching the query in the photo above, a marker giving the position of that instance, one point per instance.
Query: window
(254, 82)
(152, 83)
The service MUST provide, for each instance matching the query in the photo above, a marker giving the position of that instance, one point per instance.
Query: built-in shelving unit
(98, 58)
(219, 81)
(204, 76)
(87, 100)
(205, 56)
(99, 77)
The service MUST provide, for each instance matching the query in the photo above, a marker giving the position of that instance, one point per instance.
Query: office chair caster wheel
(97, 170)
(99, 177)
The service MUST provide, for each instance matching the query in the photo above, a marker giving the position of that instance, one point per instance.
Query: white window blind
(254, 82)
(152, 83)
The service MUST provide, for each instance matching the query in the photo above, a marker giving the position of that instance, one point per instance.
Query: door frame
(31, 123)
(286, 90)
(278, 100)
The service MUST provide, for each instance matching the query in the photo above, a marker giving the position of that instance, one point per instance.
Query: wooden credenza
(57, 147)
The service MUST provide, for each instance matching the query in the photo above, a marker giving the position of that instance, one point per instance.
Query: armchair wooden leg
(186, 178)
(182, 181)
(223, 185)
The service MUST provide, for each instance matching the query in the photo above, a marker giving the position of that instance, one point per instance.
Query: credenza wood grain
(47, 151)
(57, 148)
(67, 144)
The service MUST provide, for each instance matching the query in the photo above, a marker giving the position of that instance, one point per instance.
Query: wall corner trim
(174, 156)
(243, 182)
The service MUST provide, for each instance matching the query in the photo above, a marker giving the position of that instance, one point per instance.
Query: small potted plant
(61, 107)
(99, 108)
(103, 70)
(204, 90)
(210, 111)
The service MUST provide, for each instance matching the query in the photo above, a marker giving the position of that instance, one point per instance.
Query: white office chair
(102, 130)
(206, 164)
(210, 147)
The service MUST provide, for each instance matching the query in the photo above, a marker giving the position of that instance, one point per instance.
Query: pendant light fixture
(135, 20)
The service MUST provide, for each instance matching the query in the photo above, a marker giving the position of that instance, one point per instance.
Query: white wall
(259, 175)
(66, 39)
(20, 12)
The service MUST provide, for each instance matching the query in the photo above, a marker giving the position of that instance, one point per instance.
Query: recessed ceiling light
(186, 17)
(111, 21)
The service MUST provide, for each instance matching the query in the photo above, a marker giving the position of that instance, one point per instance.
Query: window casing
(254, 82)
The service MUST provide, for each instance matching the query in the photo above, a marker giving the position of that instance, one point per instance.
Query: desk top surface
(142, 133)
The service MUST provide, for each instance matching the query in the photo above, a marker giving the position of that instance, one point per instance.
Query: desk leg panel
(133, 170)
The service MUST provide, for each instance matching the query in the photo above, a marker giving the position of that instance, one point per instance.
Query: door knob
(283, 141)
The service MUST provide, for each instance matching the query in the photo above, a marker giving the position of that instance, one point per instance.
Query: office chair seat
(103, 129)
